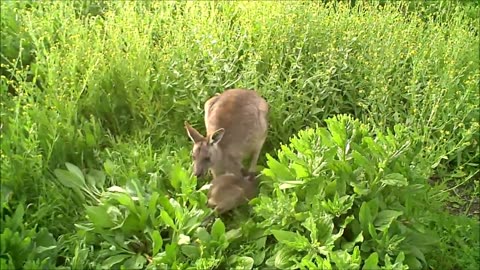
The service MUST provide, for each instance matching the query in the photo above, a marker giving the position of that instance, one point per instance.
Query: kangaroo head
(205, 151)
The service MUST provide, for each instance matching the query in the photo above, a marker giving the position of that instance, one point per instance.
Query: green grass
(107, 85)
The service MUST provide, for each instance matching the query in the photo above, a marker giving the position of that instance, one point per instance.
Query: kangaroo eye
(207, 159)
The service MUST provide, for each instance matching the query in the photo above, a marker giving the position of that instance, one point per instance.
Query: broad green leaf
(113, 260)
(132, 223)
(98, 216)
(218, 229)
(363, 162)
(157, 242)
(394, 179)
(291, 239)
(385, 218)
(311, 226)
(365, 216)
(413, 250)
(171, 252)
(125, 200)
(135, 262)
(349, 245)
(281, 171)
(16, 220)
(413, 262)
(177, 176)
(165, 203)
(341, 258)
(371, 262)
(76, 171)
(203, 235)
(300, 171)
(338, 132)
(109, 167)
(45, 238)
(259, 257)
(99, 177)
(152, 205)
(168, 220)
(281, 260)
(191, 251)
(400, 258)
(240, 262)
(69, 179)
(233, 234)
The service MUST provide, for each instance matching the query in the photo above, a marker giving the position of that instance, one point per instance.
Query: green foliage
(356, 201)
(107, 85)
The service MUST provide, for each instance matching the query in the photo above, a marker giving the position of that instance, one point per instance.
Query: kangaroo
(236, 123)
(229, 191)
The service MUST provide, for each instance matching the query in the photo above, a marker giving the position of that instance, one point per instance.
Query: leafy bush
(343, 198)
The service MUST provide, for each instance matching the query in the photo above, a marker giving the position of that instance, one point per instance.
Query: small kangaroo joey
(229, 191)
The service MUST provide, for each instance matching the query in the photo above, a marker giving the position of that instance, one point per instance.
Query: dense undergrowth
(371, 160)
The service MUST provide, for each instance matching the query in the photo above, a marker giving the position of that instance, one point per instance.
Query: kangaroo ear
(217, 136)
(194, 135)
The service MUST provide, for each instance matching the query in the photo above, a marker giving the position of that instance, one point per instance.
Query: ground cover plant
(371, 160)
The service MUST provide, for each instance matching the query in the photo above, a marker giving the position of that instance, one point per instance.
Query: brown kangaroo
(229, 191)
(237, 123)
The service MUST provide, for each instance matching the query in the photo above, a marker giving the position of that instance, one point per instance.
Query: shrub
(347, 196)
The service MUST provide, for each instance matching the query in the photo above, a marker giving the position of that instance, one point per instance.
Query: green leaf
(218, 229)
(135, 262)
(177, 176)
(385, 218)
(291, 239)
(394, 179)
(98, 216)
(113, 260)
(311, 226)
(233, 234)
(152, 205)
(400, 258)
(157, 242)
(203, 235)
(363, 162)
(349, 245)
(281, 260)
(371, 262)
(69, 179)
(171, 252)
(281, 171)
(191, 251)
(240, 262)
(168, 220)
(338, 131)
(417, 253)
(109, 167)
(165, 203)
(365, 216)
(300, 171)
(124, 200)
(99, 177)
(76, 171)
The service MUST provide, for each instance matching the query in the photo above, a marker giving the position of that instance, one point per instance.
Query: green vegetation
(372, 158)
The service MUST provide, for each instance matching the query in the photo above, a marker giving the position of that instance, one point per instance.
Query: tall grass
(108, 85)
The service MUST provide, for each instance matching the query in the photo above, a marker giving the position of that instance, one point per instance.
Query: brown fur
(229, 191)
(237, 123)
